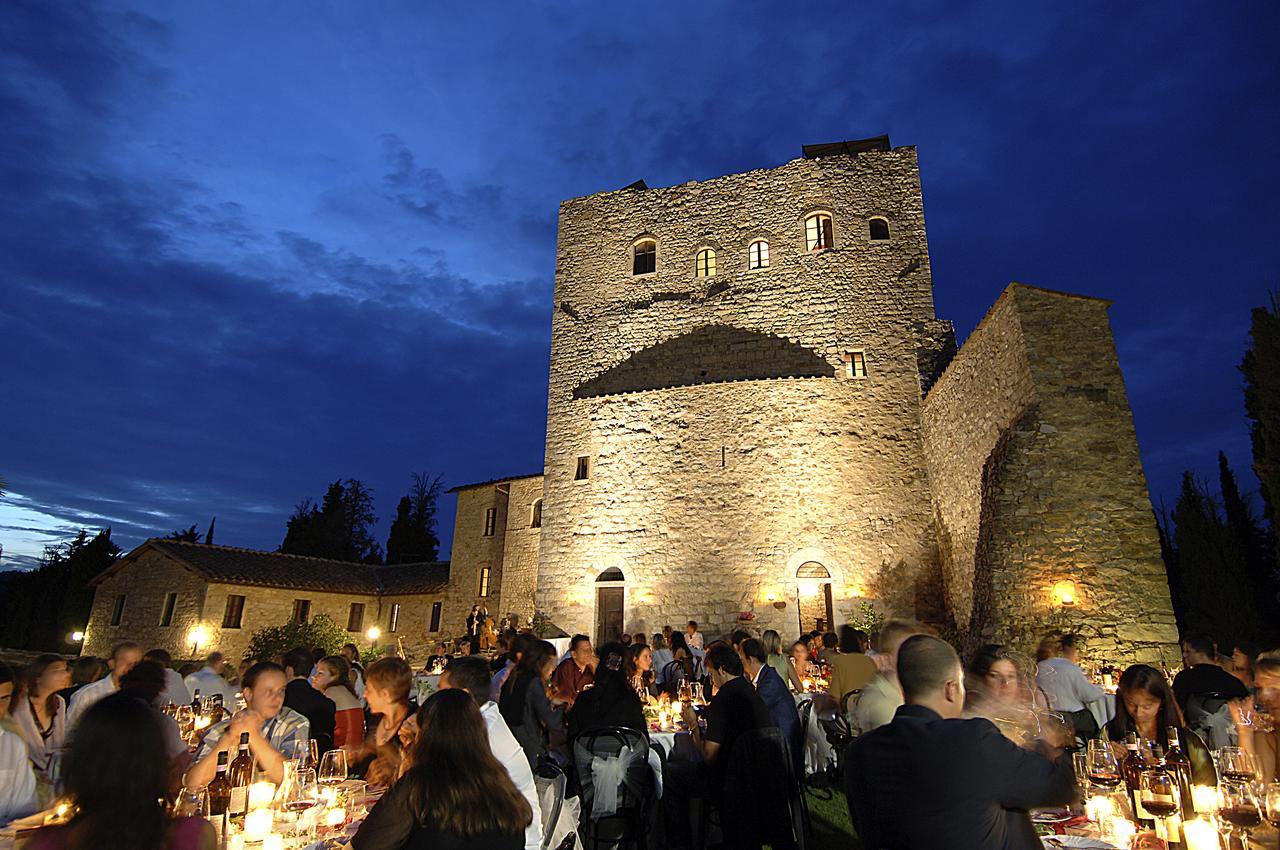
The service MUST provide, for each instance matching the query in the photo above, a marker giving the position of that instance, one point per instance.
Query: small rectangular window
(233, 613)
(355, 619)
(646, 258)
(395, 617)
(490, 521)
(166, 614)
(301, 611)
(435, 616)
(584, 469)
(535, 518)
(117, 611)
(855, 363)
(758, 255)
(484, 581)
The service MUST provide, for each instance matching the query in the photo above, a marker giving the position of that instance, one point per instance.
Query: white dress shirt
(43, 752)
(1065, 685)
(661, 658)
(209, 682)
(175, 689)
(694, 640)
(82, 699)
(507, 750)
(17, 780)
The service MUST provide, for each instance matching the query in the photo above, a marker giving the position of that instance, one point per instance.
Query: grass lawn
(832, 829)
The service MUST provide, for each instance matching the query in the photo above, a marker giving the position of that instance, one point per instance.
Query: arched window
(817, 232)
(705, 264)
(644, 257)
(611, 574)
(535, 514)
(758, 255)
(812, 570)
(879, 229)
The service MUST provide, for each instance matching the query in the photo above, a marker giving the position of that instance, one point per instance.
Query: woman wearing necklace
(41, 716)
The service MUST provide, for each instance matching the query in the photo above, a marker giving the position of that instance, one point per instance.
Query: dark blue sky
(246, 249)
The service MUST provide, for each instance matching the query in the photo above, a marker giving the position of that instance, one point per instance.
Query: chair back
(849, 708)
(615, 784)
(550, 783)
(761, 800)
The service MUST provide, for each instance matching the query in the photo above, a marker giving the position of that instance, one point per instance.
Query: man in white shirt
(124, 656)
(209, 681)
(471, 674)
(175, 689)
(17, 779)
(882, 696)
(693, 637)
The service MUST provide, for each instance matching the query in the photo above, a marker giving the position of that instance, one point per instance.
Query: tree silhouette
(38, 609)
(413, 533)
(1261, 368)
(337, 528)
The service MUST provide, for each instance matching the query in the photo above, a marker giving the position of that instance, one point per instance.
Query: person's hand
(409, 732)
(380, 773)
(245, 720)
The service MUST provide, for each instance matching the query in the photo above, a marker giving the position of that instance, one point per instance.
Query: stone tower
(733, 424)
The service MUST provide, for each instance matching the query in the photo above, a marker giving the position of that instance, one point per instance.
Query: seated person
(1202, 675)
(639, 669)
(610, 701)
(881, 697)
(387, 683)
(523, 701)
(577, 671)
(332, 677)
(273, 729)
(851, 669)
(437, 660)
(17, 779)
(1146, 706)
(306, 699)
(776, 696)
(929, 780)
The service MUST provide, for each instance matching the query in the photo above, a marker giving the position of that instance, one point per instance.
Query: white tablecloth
(817, 750)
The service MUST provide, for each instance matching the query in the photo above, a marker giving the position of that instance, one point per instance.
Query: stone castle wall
(1037, 479)
(472, 551)
(520, 551)
(709, 496)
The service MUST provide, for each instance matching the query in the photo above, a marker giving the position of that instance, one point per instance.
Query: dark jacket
(782, 706)
(316, 707)
(924, 783)
(391, 825)
(529, 713)
(608, 703)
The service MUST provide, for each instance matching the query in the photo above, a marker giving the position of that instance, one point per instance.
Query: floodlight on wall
(77, 636)
(197, 636)
(373, 634)
(1064, 593)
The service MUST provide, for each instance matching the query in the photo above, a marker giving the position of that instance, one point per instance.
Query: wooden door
(829, 625)
(608, 615)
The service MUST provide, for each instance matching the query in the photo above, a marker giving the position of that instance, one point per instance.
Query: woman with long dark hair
(455, 794)
(1145, 705)
(41, 715)
(639, 669)
(525, 705)
(17, 780)
(684, 666)
(332, 677)
(611, 700)
(116, 771)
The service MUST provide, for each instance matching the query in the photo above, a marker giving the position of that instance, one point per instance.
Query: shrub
(274, 641)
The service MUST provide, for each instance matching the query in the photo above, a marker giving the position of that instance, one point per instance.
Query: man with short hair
(124, 656)
(775, 694)
(693, 637)
(830, 647)
(1201, 674)
(299, 695)
(735, 710)
(882, 696)
(471, 674)
(175, 689)
(210, 681)
(929, 780)
(575, 672)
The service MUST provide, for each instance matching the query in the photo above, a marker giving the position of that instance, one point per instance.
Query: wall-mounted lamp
(780, 604)
(1064, 593)
(197, 636)
(77, 636)
(373, 634)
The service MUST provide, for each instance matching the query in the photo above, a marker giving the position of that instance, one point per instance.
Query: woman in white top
(17, 782)
(41, 715)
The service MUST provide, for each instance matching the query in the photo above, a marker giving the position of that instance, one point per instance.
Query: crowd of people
(942, 754)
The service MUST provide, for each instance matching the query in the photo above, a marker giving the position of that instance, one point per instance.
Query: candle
(257, 824)
(328, 796)
(235, 842)
(1200, 835)
(274, 841)
(1097, 808)
(335, 817)
(260, 794)
(1122, 831)
(1205, 799)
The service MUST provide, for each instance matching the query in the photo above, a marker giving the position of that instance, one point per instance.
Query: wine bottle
(1141, 764)
(239, 776)
(195, 703)
(220, 788)
(1179, 764)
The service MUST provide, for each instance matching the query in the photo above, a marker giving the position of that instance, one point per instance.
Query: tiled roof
(494, 481)
(231, 565)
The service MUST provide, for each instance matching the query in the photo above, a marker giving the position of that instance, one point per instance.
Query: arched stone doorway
(815, 607)
(610, 595)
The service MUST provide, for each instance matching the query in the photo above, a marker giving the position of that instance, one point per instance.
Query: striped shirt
(280, 731)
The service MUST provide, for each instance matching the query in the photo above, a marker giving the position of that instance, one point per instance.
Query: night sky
(247, 249)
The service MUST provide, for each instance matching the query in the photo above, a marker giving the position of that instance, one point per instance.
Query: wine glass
(1079, 762)
(304, 753)
(1238, 806)
(298, 794)
(684, 692)
(1237, 765)
(1102, 766)
(695, 693)
(1272, 803)
(1159, 793)
(192, 802)
(333, 768)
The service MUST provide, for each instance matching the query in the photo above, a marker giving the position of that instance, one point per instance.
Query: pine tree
(40, 608)
(186, 535)
(1249, 550)
(339, 528)
(1261, 368)
(413, 536)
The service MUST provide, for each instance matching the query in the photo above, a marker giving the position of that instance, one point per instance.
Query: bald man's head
(926, 667)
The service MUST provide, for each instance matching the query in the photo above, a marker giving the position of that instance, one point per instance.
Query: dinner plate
(1077, 841)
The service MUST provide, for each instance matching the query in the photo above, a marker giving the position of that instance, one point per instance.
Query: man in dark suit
(931, 781)
(306, 700)
(777, 697)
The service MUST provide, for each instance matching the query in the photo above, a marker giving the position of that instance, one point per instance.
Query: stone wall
(144, 584)
(708, 497)
(520, 550)
(473, 550)
(1037, 479)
